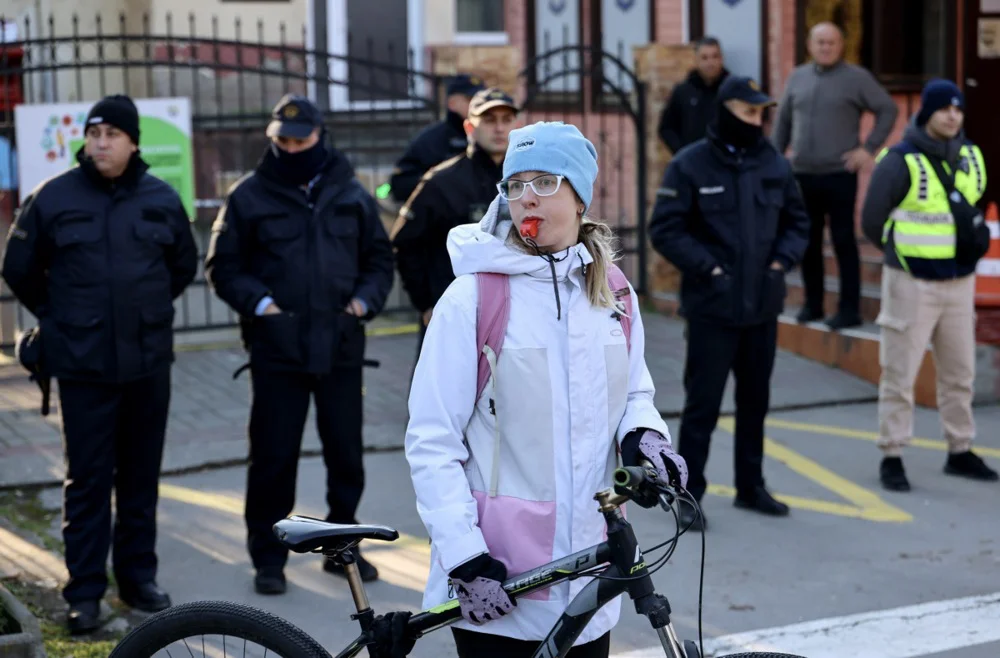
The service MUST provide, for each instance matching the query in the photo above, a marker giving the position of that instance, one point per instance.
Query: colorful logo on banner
(557, 6)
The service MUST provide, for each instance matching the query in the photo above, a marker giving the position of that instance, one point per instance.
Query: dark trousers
(832, 195)
(421, 333)
(473, 644)
(712, 352)
(113, 438)
(280, 403)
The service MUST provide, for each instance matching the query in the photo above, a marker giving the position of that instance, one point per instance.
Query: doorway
(980, 73)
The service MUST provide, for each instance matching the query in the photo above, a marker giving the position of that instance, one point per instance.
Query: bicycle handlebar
(642, 482)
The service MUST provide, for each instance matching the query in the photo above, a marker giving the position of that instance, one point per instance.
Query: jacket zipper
(740, 260)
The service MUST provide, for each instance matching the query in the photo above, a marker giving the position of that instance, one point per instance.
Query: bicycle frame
(625, 562)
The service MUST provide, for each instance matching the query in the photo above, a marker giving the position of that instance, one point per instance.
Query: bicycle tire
(761, 655)
(217, 618)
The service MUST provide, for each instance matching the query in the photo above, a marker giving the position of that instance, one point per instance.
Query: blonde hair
(598, 238)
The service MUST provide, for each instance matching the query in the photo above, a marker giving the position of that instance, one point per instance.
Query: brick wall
(781, 43)
(515, 16)
(670, 21)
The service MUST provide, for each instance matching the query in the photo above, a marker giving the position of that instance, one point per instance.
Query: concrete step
(870, 295)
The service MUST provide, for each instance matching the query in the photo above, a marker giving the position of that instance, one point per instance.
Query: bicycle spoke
(191, 653)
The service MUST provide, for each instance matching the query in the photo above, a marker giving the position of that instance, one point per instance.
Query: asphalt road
(854, 571)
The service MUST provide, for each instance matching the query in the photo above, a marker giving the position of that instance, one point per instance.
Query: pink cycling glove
(479, 586)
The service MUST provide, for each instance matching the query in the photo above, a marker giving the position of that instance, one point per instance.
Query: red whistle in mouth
(529, 227)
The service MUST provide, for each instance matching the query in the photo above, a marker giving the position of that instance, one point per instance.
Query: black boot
(147, 597)
(893, 475)
(809, 315)
(760, 500)
(83, 617)
(844, 320)
(270, 580)
(367, 569)
(970, 465)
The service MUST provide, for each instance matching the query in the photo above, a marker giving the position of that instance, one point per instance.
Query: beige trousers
(916, 312)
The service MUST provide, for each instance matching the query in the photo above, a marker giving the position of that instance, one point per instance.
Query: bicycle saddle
(302, 534)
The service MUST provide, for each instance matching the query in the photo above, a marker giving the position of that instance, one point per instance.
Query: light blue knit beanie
(555, 148)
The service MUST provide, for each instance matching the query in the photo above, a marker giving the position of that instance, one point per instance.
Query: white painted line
(907, 632)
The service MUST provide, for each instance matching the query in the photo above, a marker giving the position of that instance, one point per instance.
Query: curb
(27, 643)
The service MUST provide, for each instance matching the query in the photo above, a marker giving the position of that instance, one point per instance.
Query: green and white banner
(49, 135)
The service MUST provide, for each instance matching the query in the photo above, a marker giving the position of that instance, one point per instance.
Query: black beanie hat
(937, 95)
(120, 112)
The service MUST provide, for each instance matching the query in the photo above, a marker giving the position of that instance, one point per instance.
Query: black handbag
(28, 352)
(972, 235)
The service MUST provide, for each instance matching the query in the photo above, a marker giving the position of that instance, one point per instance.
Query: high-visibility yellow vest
(922, 226)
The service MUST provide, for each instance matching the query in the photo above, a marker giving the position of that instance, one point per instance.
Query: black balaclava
(735, 132)
(300, 168)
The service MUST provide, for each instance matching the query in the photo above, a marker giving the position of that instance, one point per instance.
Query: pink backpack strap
(492, 315)
(619, 286)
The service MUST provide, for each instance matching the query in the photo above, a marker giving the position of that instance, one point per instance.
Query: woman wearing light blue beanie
(520, 410)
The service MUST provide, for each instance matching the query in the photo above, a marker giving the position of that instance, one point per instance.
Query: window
(557, 46)
(479, 21)
(620, 25)
(902, 48)
(910, 45)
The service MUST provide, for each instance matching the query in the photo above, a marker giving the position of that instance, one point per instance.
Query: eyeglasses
(544, 185)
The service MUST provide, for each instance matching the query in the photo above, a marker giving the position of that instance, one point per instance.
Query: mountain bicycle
(617, 566)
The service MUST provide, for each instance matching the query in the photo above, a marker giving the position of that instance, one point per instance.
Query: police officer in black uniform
(457, 191)
(438, 141)
(730, 217)
(299, 252)
(98, 254)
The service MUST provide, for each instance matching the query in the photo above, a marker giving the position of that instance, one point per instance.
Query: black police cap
(294, 116)
(743, 89)
(465, 84)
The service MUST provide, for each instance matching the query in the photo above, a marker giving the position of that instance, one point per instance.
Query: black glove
(391, 638)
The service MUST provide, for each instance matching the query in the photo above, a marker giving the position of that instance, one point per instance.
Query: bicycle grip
(635, 478)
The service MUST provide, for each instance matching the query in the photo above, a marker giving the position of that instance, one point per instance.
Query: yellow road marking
(865, 503)
(833, 430)
(403, 563)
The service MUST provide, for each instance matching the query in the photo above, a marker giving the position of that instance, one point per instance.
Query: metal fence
(378, 102)
(375, 101)
(600, 94)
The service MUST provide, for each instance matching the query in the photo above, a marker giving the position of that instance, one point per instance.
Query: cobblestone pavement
(209, 409)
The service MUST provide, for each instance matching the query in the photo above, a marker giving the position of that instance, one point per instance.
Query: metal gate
(377, 104)
(596, 91)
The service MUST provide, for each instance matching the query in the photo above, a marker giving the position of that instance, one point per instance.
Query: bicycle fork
(657, 609)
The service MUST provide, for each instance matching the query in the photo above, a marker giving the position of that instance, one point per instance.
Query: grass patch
(47, 605)
(24, 511)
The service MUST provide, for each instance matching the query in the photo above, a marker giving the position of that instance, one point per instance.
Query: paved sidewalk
(209, 410)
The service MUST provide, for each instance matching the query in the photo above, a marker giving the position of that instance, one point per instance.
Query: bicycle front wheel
(761, 655)
(185, 630)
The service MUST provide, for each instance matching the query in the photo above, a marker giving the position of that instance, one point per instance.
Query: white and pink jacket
(520, 484)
